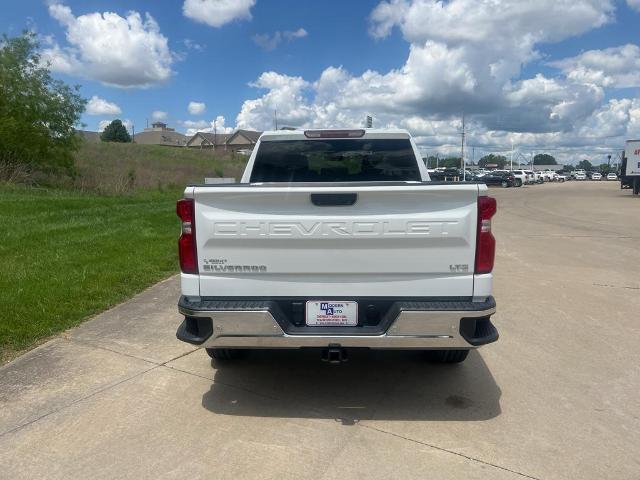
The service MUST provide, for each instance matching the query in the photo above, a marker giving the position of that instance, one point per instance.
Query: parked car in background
(553, 176)
(446, 175)
(521, 177)
(531, 177)
(544, 176)
(612, 176)
(504, 179)
(560, 177)
(538, 178)
(579, 174)
(596, 176)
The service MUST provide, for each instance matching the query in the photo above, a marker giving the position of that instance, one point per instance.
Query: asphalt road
(556, 398)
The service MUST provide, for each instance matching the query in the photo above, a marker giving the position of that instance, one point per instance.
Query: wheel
(447, 356)
(518, 182)
(504, 184)
(224, 353)
(636, 186)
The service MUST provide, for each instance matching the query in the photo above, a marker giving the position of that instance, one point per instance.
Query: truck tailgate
(394, 241)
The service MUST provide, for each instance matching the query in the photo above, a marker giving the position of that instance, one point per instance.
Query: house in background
(207, 140)
(242, 140)
(160, 134)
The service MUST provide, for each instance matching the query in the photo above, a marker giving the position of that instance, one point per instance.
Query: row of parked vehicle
(584, 175)
(514, 178)
(517, 178)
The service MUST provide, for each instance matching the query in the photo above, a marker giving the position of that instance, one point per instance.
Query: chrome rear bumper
(233, 327)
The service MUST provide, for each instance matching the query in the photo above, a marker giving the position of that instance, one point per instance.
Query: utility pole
(437, 160)
(133, 134)
(464, 176)
(511, 161)
(275, 118)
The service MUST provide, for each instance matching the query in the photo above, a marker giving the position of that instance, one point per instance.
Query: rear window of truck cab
(335, 160)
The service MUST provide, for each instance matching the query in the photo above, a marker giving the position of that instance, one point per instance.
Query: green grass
(124, 167)
(66, 255)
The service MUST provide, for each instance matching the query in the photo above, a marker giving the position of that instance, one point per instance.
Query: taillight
(187, 240)
(485, 242)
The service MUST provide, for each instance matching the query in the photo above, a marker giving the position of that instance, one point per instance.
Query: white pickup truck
(337, 239)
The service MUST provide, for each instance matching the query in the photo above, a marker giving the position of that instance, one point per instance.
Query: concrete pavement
(555, 398)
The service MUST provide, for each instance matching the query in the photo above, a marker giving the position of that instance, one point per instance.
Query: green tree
(431, 161)
(451, 162)
(492, 159)
(585, 165)
(605, 168)
(37, 113)
(115, 132)
(544, 159)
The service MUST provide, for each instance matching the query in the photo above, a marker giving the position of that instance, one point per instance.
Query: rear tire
(224, 354)
(504, 184)
(518, 182)
(447, 356)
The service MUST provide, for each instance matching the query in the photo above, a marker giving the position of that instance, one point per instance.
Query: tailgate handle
(333, 199)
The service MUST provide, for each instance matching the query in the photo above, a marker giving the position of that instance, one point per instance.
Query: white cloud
(128, 124)
(60, 60)
(159, 115)
(118, 51)
(634, 4)
(99, 106)
(217, 13)
(611, 67)
(491, 39)
(191, 45)
(387, 15)
(195, 124)
(196, 108)
(285, 95)
(464, 56)
(299, 33)
(271, 41)
(217, 125)
(465, 21)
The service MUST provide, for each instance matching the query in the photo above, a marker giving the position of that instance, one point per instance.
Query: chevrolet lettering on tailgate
(391, 228)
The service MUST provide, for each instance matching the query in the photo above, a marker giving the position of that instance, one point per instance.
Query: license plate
(332, 313)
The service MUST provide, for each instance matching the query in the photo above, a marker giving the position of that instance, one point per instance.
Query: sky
(554, 76)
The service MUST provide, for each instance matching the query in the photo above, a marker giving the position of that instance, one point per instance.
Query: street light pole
(511, 162)
(464, 173)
